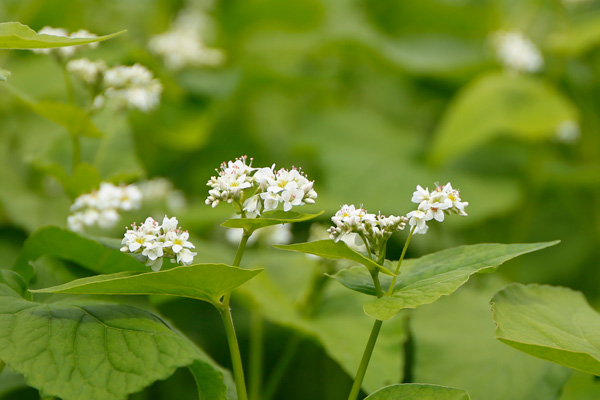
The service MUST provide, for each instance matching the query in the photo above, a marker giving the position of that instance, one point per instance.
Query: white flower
(132, 87)
(185, 256)
(169, 224)
(568, 132)
(516, 52)
(417, 221)
(88, 71)
(270, 200)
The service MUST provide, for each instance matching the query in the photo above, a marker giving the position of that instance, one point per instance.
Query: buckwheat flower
(568, 132)
(516, 52)
(169, 225)
(417, 221)
(90, 72)
(456, 204)
(270, 200)
(132, 87)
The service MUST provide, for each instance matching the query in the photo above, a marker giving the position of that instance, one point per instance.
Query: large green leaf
(500, 104)
(85, 350)
(207, 282)
(14, 35)
(552, 323)
(269, 218)
(67, 245)
(578, 38)
(419, 391)
(454, 345)
(426, 279)
(334, 251)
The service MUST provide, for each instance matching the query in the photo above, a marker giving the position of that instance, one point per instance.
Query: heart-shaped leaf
(84, 350)
(426, 279)
(552, 323)
(207, 282)
(334, 251)
(14, 35)
(269, 218)
(67, 245)
(418, 391)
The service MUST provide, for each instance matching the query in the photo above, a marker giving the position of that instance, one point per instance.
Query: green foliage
(269, 218)
(430, 277)
(82, 350)
(207, 282)
(70, 246)
(335, 251)
(500, 104)
(14, 35)
(551, 323)
(419, 391)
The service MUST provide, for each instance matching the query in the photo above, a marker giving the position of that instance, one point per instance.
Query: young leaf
(418, 391)
(70, 246)
(552, 323)
(269, 218)
(14, 35)
(207, 282)
(334, 251)
(80, 351)
(426, 279)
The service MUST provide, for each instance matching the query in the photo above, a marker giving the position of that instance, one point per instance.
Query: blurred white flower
(68, 50)
(151, 242)
(516, 52)
(132, 87)
(183, 45)
(88, 71)
(568, 132)
(101, 207)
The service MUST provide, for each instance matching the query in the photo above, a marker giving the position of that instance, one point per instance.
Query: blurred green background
(370, 98)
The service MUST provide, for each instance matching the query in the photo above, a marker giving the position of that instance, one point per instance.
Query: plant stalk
(364, 362)
(410, 235)
(256, 355)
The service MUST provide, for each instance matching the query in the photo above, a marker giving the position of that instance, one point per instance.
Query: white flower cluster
(372, 228)
(434, 205)
(101, 207)
(183, 45)
(516, 52)
(151, 243)
(269, 187)
(568, 131)
(129, 86)
(67, 51)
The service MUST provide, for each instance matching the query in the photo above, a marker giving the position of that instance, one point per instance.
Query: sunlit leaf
(67, 245)
(14, 35)
(426, 279)
(334, 251)
(207, 282)
(418, 391)
(269, 218)
(552, 323)
(500, 104)
(85, 350)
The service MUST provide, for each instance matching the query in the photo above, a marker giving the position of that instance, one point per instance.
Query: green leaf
(334, 251)
(269, 218)
(13, 281)
(4, 74)
(72, 117)
(212, 383)
(419, 391)
(500, 104)
(552, 323)
(578, 38)
(70, 246)
(14, 35)
(426, 279)
(207, 282)
(84, 350)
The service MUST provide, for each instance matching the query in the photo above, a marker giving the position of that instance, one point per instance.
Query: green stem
(375, 276)
(256, 355)
(240, 251)
(282, 365)
(410, 235)
(234, 349)
(364, 362)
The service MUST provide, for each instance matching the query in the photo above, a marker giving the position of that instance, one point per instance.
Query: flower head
(516, 52)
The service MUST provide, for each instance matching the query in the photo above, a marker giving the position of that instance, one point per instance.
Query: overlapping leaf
(207, 282)
(269, 218)
(334, 251)
(551, 323)
(14, 35)
(426, 279)
(419, 391)
(85, 350)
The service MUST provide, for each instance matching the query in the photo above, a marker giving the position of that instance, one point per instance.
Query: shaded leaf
(455, 346)
(269, 218)
(207, 282)
(211, 383)
(14, 35)
(426, 279)
(89, 350)
(13, 281)
(419, 391)
(334, 251)
(70, 246)
(500, 104)
(552, 323)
